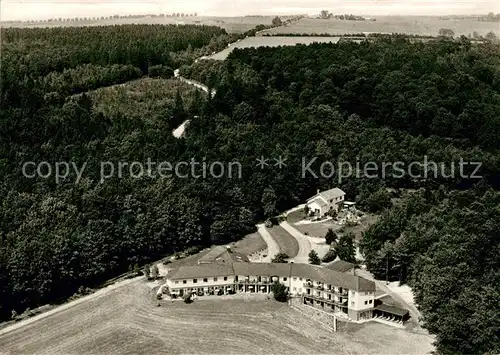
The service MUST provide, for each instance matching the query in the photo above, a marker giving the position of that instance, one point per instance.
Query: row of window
(369, 302)
(337, 199)
(196, 280)
(236, 279)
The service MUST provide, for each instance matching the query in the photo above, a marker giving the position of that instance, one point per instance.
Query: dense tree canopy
(384, 100)
(388, 100)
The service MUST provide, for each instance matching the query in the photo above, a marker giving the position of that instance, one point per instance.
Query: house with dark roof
(341, 266)
(388, 309)
(344, 294)
(326, 201)
(222, 254)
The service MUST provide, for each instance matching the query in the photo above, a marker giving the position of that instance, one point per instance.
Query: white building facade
(326, 201)
(343, 294)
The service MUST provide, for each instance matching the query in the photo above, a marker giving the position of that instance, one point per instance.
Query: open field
(387, 24)
(422, 25)
(250, 244)
(230, 24)
(286, 242)
(271, 42)
(127, 321)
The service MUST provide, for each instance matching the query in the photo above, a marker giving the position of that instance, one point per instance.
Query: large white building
(342, 293)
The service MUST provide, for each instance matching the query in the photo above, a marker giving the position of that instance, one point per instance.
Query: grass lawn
(295, 216)
(317, 229)
(286, 242)
(250, 244)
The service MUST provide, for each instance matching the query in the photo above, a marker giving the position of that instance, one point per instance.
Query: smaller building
(388, 309)
(326, 201)
(341, 266)
(222, 254)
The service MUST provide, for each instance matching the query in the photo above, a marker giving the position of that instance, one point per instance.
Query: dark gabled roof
(340, 265)
(214, 253)
(237, 257)
(262, 269)
(332, 277)
(364, 285)
(332, 193)
(222, 254)
(306, 271)
(391, 309)
(329, 194)
(199, 271)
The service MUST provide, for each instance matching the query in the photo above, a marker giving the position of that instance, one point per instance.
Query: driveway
(304, 243)
(272, 246)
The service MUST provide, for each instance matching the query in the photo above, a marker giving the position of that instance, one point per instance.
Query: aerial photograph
(253, 177)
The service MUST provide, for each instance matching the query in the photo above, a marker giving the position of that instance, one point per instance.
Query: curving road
(272, 246)
(194, 83)
(179, 131)
(304, 243)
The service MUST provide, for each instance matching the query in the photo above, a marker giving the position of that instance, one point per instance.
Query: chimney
(317, 191)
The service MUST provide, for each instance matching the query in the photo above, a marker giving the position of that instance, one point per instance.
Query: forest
(381, 100)
(387, 100)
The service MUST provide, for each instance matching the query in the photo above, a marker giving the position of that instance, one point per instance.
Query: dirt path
(304, 243)
(272, 246)
(179, 131)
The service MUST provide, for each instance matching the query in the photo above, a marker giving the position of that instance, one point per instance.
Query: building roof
(262, 269)
(319, 201)
(329, 194)
(221, 253)
(389, 300)
(332, 277)
(214, 253)
(200, 271)
(365, 285)
(313, 272)
(391, 309)
(340, 265)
